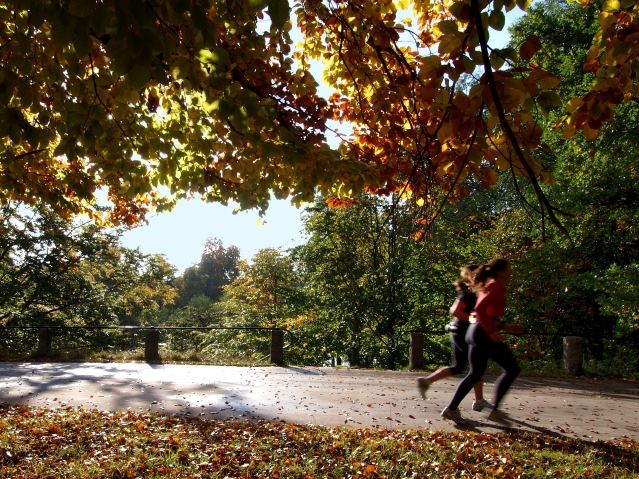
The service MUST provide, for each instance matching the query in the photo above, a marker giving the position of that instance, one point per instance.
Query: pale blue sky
(180, 234)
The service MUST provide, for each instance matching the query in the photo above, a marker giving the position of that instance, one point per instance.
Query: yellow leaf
(611, 6)
(259, 222)
(569, 132)
(490, 176)
(449, 43)
(476, 90)
(445, 133)
(420, 202)
(502, 163)
(548, 178)
(493, 121)
(605, 19)
(548, 83)
(590, 133)
(574, 104)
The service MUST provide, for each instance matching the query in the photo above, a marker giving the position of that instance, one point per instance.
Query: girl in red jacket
(485, 340)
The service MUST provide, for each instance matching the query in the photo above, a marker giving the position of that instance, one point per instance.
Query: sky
(181, 234)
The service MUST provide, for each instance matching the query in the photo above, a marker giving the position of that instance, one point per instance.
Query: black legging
(482, 348)
(460, 347)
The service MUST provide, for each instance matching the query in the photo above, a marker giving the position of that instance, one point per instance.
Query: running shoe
(454, 416)
(422, 385)
(481, 405)
(499, 417)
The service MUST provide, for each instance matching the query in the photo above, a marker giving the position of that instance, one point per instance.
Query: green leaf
(180, 68)
(82, 44)
(253, 6)
(497, 20)
(44, 117)
(548, 100)
(220, 56)
(524, 4)
(496, 60)
(100, 20)
(449, 43)
(227, 109)
(36, 14)
(60, 34)
(138, 77)
(179, 6)
(15, 134)
(510, 4)
(279, 12)
(81, 8)
(198, 17)
(448, 26)
(249, 100)
(457, 9)
(123, 65)
(152, 38)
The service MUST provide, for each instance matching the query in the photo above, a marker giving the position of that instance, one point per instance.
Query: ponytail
(487, 272)
(465, 277)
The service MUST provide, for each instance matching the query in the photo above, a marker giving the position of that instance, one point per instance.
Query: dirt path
(583, 408)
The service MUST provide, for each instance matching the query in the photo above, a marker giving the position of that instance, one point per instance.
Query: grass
(86, 443)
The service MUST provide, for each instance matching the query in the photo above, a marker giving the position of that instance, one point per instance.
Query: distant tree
(266, 291)
(218, 267)
(367, 280)
(55, 271)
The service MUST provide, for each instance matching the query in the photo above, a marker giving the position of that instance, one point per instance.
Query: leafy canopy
(152, 101)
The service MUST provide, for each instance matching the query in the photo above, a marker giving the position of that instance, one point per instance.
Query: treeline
(370, 272)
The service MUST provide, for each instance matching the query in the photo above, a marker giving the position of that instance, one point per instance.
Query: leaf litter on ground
(83, 443)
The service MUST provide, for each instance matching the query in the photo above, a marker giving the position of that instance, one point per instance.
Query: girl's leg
(503, 356)
(479, 389)
(459, 359)
(459, 349)
(478, 358)
(441, 373)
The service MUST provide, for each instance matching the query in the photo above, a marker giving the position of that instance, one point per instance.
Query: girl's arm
(458, 310)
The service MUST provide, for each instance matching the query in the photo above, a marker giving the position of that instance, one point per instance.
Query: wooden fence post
(277, 346)
(151, 345)
(45, 337)
(416, 354)
(573, 354)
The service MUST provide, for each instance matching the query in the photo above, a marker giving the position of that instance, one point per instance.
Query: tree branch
(503, 121)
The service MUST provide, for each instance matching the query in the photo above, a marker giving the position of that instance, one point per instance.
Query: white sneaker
(481, 405)
(499, 417)
(454, 416)
(422, 386)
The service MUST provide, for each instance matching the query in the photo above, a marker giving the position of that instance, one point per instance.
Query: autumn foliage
(84, 443)
(148, 102)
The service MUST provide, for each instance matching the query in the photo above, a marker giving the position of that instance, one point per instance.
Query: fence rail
(152, 337)
(572, 346)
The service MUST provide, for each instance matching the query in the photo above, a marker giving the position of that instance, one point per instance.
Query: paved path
(583, 408)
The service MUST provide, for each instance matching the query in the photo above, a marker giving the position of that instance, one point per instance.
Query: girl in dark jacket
(461, 310)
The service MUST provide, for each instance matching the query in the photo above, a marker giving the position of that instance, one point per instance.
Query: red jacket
(490, 306)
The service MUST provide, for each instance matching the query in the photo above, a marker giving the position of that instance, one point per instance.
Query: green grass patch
(86, 443)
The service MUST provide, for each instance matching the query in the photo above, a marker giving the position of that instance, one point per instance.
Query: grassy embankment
(81, 443)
